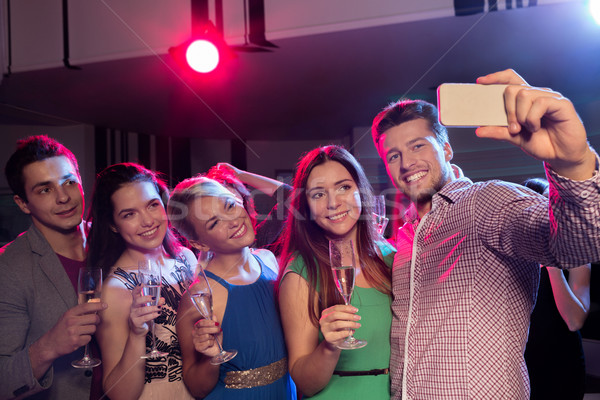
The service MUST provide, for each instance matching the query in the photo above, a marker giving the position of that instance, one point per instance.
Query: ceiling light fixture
(203, 52)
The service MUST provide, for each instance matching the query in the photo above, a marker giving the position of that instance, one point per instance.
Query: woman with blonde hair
(245, 317)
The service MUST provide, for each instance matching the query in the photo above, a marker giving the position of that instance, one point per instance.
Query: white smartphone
(470, 104)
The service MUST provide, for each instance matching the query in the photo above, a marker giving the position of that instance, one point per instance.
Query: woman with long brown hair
(129, 224)
(333, 200)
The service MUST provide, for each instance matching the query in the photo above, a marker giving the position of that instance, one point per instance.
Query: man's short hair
(30, 150)
(407, 110)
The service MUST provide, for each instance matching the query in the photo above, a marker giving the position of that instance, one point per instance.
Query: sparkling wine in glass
(89, 288)
(381, 220)
(341, 257)
(149, 274)
(201, 296)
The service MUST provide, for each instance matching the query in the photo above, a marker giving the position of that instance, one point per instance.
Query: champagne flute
(89, 288)
(381, 220)
(341, 257)
(201, 296)
(149, 275)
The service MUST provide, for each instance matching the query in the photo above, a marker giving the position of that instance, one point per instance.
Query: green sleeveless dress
(374, 308)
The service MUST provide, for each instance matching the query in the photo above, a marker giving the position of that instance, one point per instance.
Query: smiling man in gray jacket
(41, 326)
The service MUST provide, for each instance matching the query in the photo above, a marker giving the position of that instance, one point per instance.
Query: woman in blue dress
(245, 317)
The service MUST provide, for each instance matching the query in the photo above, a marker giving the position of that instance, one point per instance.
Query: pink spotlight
(202, 56)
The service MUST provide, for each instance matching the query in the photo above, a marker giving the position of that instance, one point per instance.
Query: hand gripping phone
(470, 104)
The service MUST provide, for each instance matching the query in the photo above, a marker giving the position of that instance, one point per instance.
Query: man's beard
(426, 195)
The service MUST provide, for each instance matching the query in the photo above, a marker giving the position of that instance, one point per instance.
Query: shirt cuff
(586, 193)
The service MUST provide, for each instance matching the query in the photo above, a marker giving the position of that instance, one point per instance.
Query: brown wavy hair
(105, 246)
(303, 238)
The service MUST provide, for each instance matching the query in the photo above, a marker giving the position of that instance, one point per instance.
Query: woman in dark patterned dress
(129, 224)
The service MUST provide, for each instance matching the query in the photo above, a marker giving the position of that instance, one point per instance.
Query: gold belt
(260, 376)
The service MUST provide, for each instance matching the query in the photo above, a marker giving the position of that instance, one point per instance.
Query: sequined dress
(164, 375)
(251, 325)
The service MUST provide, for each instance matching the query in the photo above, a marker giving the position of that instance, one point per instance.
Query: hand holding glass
(149, 275)
(341, 257)
(201, 296)
(89, 288)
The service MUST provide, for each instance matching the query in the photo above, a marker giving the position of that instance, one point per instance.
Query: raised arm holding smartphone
(466, 271)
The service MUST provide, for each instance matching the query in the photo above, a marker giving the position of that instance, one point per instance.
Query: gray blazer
(35, 292)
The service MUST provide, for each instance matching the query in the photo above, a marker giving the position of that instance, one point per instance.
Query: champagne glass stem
(350, 337)
(218, 344)
(223, 355)
(217, 340)
(86, 352)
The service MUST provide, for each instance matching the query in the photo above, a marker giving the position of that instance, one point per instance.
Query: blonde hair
(184, 194)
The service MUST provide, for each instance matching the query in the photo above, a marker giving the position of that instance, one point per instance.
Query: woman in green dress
(333, 200)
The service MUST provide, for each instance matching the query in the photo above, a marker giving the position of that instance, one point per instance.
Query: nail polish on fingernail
(153, 297)
(216, 324)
